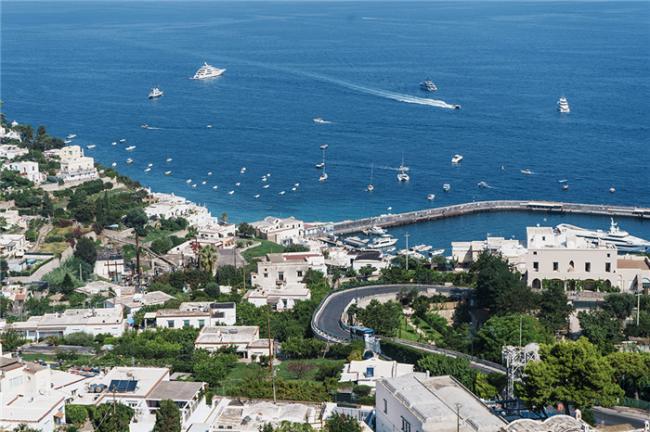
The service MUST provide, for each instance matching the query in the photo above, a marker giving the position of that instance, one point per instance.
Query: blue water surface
(86, 68)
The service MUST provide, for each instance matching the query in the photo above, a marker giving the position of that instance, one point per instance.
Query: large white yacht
(402, 175)
(383, 242)
(563, 105)
(623, 241)
(207, 71)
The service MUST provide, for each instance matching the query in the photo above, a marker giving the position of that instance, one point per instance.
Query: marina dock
(408, 218)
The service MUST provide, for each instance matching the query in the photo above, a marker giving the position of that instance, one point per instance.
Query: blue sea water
(86, 68)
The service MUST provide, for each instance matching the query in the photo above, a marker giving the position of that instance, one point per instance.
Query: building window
(385, 406)
(536, 266)
(201, 323)
(587, 267)
(186, 323)
(370, 372)
(608, 267)
(170, 323)
(281, 276)
(608, 255)
(556, 266)
(534, 252)
(299, 273)
(406, 426)
(266, 275)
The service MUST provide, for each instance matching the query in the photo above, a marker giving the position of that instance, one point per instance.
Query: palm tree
(207, 257)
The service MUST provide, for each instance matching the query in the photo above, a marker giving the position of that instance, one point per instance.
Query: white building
(169, 206)
(282, 231)
(245, 339)
(419, 403)
(75, 166)
(12, 245)
(368, 372)
(26, 169)
(250, 416)
(197, 315)
(29, 396)
(221, 235)
(13, 218)
(134, 301)
(561, 256)
(466, 253)
(93, 321)
(10, 151)
(9, 134)
(279, 278)
(143, 389)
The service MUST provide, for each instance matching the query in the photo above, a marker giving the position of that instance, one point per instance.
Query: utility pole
(638, 304)
(458, 417)
(268, 332)
(407, 250)
(520, 329)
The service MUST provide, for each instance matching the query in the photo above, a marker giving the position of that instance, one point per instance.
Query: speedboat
(91, 146)
(446, 187)
(71, 136)
(149, 165)
(428, 85)
(209, 126)
(612, 189)
(168, 160)
(370, 188)
(129, 161)
(144, 126)
(194, 186)
(431, 197)
(623, 240)
(456, 107)
(114, 164)
(167, 173)
(238, 184)
(320, 120)
(383, 242)
(242, 170)
(155, 93)
(296, 184)
(207, 71)
(563, 105)
(421, 248)
(324, 146)
(231, 192)
(147, 170)
(204, 182)
(130, 148)
(123, 140)
(375, 230)
(215, 187)
(68, 141)
(456, 159)
(257, 196)
(114, 143)
(323, 177)
(436, 252)
(281, 193)
(209, 173)
(483, 185)
(188, 181)
(265, 186)
(526, 171)
(320, 165)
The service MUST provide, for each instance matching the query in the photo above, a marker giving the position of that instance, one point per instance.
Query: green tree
(341, 423)
(168, 417)
(86, 250)
(136, 218)
(102, 211)
(619, 305)
(212, 367)
(11, 340)
(5, 305)
(384, 318)
(571, 373)
(366, 271)
(207, 258)
(602, 329)
(161, 245)
(111, 417)
(632, 372)
(505, 330)
(554, 308)
(459, 368)
(499, 289)
(75, 414)
(47, 208)
(66, 287)
(246, 230)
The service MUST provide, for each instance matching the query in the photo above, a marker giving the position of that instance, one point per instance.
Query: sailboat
(323, 176)
(371, 187)
(402, 175)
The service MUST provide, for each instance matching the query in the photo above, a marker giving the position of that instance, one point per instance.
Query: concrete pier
(397, 219)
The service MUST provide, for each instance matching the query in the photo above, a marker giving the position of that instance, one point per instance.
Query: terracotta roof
(633, 264)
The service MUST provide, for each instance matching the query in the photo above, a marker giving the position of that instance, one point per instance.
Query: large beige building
(283, 231)
(244, 339)
(75, 166)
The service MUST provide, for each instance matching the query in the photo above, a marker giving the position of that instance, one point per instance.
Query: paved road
(620, 416)
(326, 320)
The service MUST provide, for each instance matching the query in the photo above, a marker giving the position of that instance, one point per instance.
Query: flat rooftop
(435, 399)
(176, 390)
(227, 335)
(73, 317)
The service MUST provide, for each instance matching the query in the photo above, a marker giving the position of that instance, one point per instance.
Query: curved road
(326, 321)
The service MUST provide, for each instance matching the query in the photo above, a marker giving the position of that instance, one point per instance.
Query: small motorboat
(209, 126)
(194, 186)
(144, 126)
(293, 189)
(265, 186)
(215, 187)
(71, 136)
(204, 182)
(296, 184)
(323, 177)
(370, 188)
(231, 192)
(483, 185)
(168, 173)
(149, 165)
(188, 181)
(456, 159)
(281, 193)
(526, 172)
(428, 85)
(114, 143)
(612, 189)
(324, 146)
(130, 148)
(168, 160)
(129, 161)
(209, 173)
(68, 141)
(320, 165)
(565, 186)
(431, 197)
(238, 184)
(320, 120)
(257, 196)
(155, 93)
(123, 140)
(242, 170)
(147, 170)
(114, 164)
(91, 146)
(446, 187)
(436, 252)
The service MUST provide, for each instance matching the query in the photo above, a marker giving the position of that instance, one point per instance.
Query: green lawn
(261, 250)
(309, 370)
(34, 357)
(53, 248)
(407, 332)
